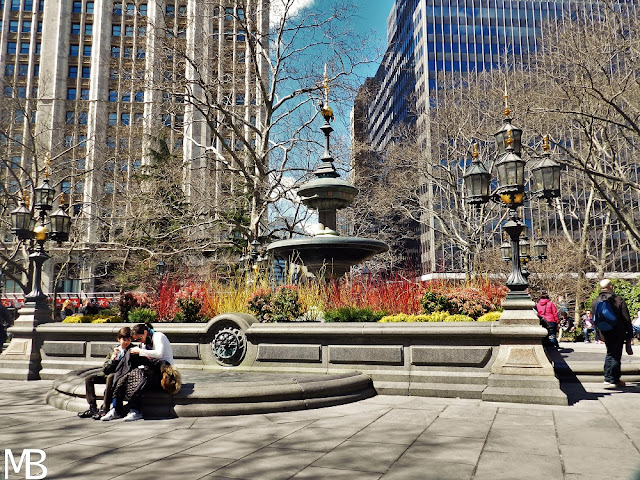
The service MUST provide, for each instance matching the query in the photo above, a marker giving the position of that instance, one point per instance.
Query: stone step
(430, 376)
(522, 381)
(542, 396)
(420, 389)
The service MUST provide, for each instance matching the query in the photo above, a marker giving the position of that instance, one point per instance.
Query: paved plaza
(385, 437)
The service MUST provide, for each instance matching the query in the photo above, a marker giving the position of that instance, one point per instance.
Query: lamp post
(161, 268)
(511, 193)
(22, 359)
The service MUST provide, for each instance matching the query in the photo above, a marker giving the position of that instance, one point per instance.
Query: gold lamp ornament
(325, 109)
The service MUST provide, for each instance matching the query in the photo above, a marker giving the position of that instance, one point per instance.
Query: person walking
(616, 335)
(548, 311)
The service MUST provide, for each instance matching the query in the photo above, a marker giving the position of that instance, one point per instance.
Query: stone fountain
(327, 253)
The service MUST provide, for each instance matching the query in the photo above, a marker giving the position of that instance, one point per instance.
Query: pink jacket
(547, 310)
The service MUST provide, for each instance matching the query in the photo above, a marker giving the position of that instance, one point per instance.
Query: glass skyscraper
(431, 41)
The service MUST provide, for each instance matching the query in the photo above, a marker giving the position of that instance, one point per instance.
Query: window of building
(228, 13)
(24, 48)
(128, 30)
(11, 48)
(26, 27)
(117, 8)
(28, 5)
(71, 93)
(142, 9)
(182, 10)
(86, 72)
(39, 27)
(13, 26)
(241, 35)
(88, 29)
(70, 117)
(9, 69)
(74, 50)
(139, 97)
(113, 119)
(125, 119)
(89, 7)
(84, 94)
(137, 117)
(82, 141)
(83, 118)
(15, 5)
(36, 72)
(68, 142)
(142, 31)
(166, 119)
(111, 142)
(76, 7)
(23, 70)
(131, 9)
(170, 10)
(141, 53)
(239, 98)
(116, 30)
(75, 29)
(38, 48)
(73, 71)
(126, 97)
(241, 13)
(81, 165)
(8, 91)
(86, 50)
(115, 52)
(113, 95)
(128, 52)
(22, 93)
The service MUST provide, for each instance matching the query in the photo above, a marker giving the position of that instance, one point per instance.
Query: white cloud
(292, 7)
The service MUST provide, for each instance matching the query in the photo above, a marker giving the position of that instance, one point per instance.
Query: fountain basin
(332, 253)
(327, 193)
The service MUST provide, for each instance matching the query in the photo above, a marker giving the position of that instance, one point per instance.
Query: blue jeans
(553, 329)
(614, 341)
(586, 333)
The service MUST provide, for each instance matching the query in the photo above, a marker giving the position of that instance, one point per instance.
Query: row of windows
(20, 91)
(126, 97)
(73, 71)
(14, 26)
(116, 31)
(26, 6)
(76, 28)
(125, 118)
(127, 52)
(74, 50)
(72, 94)
(228, 13)
(23, 70)
(12, 48)
(130, 9)
(77, 7)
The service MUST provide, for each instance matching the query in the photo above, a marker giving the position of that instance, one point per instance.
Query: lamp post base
(22, 360)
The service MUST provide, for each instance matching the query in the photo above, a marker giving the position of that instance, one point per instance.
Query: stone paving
(385, 437)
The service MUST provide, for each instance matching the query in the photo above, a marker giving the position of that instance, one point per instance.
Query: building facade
(96, 84)
(450, 39)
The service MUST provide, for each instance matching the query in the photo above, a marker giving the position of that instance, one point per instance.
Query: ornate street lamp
(43, 196)
(60, 225)
(511, 192)
(161, 268)
(540, 250)
(21, 219)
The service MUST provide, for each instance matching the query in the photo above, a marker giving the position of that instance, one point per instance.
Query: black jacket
(623, 325)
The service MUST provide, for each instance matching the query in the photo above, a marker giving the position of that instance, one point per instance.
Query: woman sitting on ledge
(140, 368)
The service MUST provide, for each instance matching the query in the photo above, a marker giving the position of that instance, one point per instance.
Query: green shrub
(189, 311)
(283, 305)
(353, 314)
(142, 315)
(490, 317)
(434, 302)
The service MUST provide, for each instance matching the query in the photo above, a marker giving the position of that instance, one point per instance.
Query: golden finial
(509, 140)
(25, 197)
(47, 165)
(507, 111)
(325, 109)
(545, 143)
(474, 152)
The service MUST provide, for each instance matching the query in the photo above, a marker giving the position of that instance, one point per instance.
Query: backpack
(604, 317)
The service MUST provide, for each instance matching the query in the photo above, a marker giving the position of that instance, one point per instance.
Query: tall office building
(449, 38)
(93, 83)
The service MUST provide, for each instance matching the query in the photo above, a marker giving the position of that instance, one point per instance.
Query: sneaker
(132, 416)
(111, 415)
(618, 384)
(101, 413)
(88, 413)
